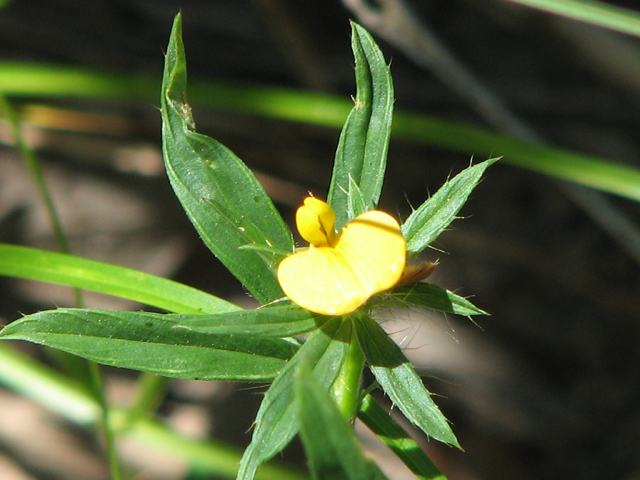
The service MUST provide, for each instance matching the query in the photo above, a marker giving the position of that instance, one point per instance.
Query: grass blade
(601, 14)
(43, 81)
(45, 266)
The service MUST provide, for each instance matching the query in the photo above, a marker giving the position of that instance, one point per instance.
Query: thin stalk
(35, 168)
(150, 392)
(105, 423)
(346, 388)
(87, 369)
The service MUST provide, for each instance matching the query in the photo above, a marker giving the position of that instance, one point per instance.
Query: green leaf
(222, 198)
(277, 419)
(149, 342)
(399, 380)
(361, 156)
(332, 449)
(428, 295)
(400, 442)
(432, 217)
(45, 266)
(272, 321)
(356, 201)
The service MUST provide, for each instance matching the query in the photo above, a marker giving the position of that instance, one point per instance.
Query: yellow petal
(316, 222)
(375, 250)
(319, 281)
(368, 257)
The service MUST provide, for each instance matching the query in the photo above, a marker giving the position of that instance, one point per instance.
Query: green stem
(81, 367)
(105, 423)
(346, 387)
(35, 168)
(150, 392)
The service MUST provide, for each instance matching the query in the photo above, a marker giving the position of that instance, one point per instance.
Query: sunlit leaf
(333, 451)
(222, 198)
(45, 266)
(433, 297)
(398, 440)
(277, 420)
(44, 81)
(400, 382)
(602, 14)
(432, 217)
(284, 320)
(149, 342)
(361, 157)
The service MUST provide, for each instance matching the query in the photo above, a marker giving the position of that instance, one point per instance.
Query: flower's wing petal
(318, 280)
(374, 249)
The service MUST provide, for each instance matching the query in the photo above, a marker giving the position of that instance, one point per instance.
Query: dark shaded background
(547, 387)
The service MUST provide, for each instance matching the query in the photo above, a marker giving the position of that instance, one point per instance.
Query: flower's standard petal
(374, 248)
(368, 257)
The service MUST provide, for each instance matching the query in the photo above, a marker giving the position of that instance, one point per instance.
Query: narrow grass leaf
(277, 420)
(399, 380)
(273, 321)
(149, 342)
(42, 265)
(613, 17)
(333, 451)
(42, 80)
(432, 217)
(398, 440)
(361, 156)
(433, 297)
(222, 198)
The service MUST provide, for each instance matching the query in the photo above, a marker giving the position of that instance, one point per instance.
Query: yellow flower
(338, 274)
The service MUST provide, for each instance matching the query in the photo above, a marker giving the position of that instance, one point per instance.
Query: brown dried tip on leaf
(415, 273)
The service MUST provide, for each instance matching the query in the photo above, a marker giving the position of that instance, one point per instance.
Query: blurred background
(548, 386)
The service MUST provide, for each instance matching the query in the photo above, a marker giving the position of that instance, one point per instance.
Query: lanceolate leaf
(221, 196)
(398, 379)
(149, 342)
(361, 156)
(285, 320)
(428, 295)
(331, 445)
(432, 217)
(277, 419)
